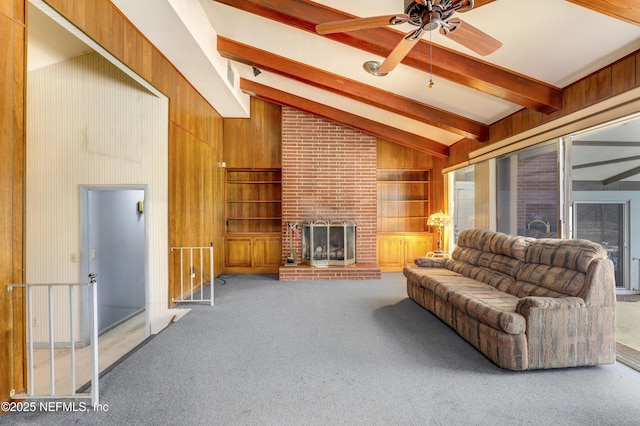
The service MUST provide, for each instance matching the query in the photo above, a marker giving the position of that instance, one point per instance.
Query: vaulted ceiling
(275, 53)
(230, 49)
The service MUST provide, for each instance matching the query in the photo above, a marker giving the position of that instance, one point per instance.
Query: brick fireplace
(328, 173)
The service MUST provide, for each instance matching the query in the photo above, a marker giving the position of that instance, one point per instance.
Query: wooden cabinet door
(237, 252)
(417, 247)
(267, 251)
(390, 251)
(252, 254)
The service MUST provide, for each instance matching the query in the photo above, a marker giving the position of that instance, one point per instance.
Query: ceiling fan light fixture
(372, 68)
(427, 15)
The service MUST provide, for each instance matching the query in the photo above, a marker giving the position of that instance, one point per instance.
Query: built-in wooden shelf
(403, 200)
(253, 201)
(253, 214)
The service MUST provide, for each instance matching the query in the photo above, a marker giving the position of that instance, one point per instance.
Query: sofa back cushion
(571, 254)
(545, 280)
(472, 238)
(489, 276)
(543, 267)
(500, 263)
(492, 250)
(555, 266)
(507, 245)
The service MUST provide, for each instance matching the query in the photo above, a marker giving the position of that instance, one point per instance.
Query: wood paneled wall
(12, 71)
(195, 129)
(610, 81)
(254, 142)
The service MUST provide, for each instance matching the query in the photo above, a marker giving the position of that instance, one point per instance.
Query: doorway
(115, 249)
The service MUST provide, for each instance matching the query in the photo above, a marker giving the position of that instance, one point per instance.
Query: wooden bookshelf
(253, 214)
(403, 200)
(404, 197)
(254, 201)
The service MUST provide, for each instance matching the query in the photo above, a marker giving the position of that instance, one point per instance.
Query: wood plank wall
(195, 129)
(610, 81)
(254, 142)
(12, 71)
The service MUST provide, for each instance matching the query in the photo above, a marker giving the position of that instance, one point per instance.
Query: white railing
(193, 265)
(93, 332)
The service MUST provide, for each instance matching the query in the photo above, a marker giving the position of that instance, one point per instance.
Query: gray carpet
(337, 353)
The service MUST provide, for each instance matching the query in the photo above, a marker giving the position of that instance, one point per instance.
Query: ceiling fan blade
(361, 23)
(470, 37)
(400, 51)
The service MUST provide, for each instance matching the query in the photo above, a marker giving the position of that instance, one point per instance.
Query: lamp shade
(439, 219)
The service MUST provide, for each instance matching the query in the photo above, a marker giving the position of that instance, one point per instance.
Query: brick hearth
(328, 173)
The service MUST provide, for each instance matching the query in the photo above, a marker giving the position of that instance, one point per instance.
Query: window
(528, 191)
(463, 200)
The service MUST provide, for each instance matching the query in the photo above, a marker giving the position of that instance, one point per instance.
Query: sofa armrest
(567, 332)
(430, 262)
(537, 302)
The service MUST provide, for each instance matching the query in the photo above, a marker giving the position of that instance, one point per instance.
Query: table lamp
(439, 220)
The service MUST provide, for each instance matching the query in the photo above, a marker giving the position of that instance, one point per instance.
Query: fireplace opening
(327, 243)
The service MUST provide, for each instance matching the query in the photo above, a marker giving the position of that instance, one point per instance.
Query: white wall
(633, 197)
(88, 123)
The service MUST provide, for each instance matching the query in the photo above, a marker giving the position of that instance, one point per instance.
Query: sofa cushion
(507, 245)
(525, 289)
(496, 251)
(572, 254)
(473, 238)
(561, 281)
(498, 262)
(486, 275)
(466, 254)
(444, 286)
(481, 301)
(489, 306)
(429, 278)
(430, 262)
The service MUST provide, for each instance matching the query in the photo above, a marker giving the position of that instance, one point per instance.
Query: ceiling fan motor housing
(431, 14)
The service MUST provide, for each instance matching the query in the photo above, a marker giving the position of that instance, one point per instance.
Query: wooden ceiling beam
(447, 64)
(628, 11)
(374, 128)
(353, 89)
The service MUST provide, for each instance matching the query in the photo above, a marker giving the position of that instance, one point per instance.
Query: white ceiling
(554, 41)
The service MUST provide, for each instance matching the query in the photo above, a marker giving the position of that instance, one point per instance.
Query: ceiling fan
(427, 15)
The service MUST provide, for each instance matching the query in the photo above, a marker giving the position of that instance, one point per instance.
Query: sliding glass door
(528, 192)
(605, 223)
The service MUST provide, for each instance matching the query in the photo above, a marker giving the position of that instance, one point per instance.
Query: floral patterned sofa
(524, 303)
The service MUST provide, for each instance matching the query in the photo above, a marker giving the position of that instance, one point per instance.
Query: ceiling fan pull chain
(430, 58)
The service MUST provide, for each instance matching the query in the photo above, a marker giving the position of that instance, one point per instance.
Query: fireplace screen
(329, 243)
